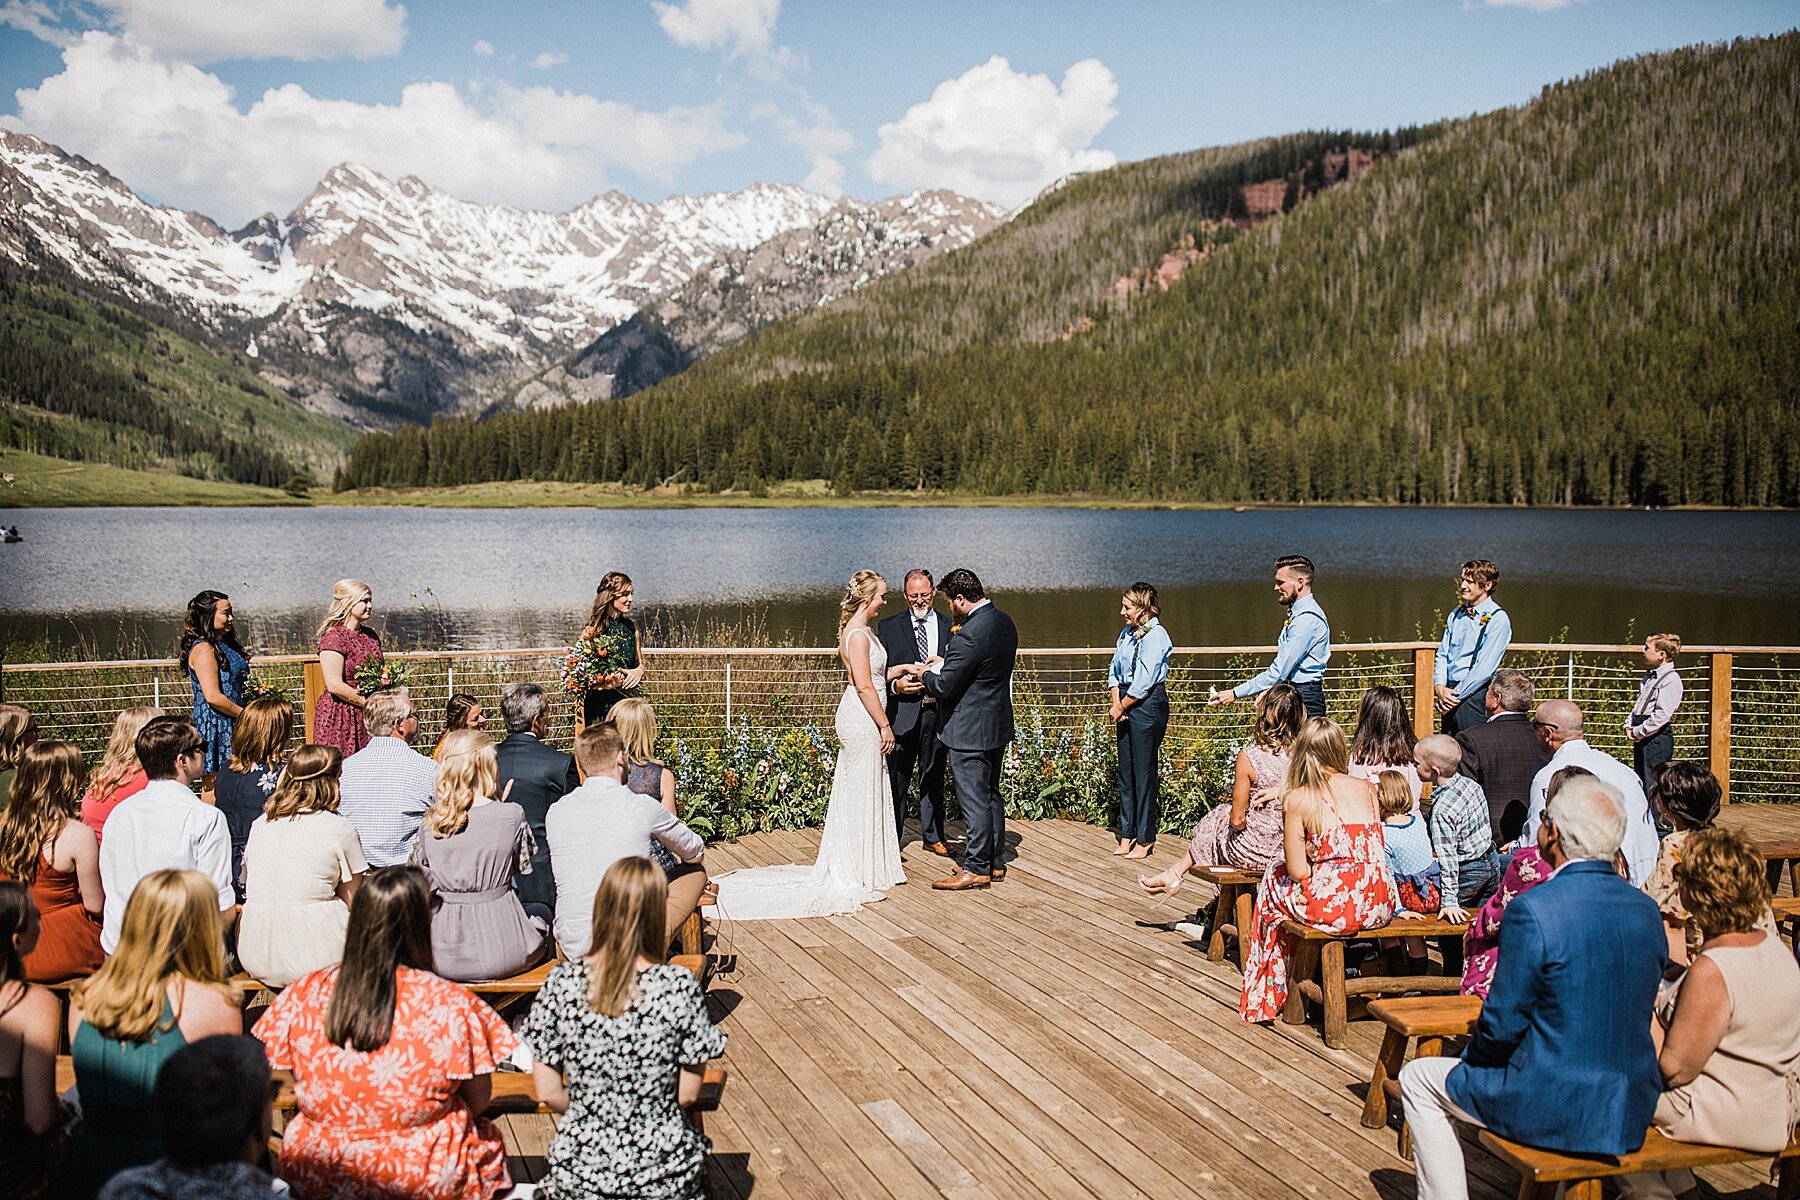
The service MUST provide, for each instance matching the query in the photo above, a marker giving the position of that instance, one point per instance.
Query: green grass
(40, 482)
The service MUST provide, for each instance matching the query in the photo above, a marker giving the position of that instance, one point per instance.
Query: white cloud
(484, 48)
(999, 134)
(819, 136)
(37, 18)
(741, 27)
(211, 30)
(172, 130)
(549, 59)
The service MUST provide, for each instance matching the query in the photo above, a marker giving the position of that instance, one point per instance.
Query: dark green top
(117, 1084)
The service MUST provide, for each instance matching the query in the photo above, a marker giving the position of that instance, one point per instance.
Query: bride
(859, 852)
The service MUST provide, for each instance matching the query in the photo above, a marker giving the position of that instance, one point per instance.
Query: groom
(973, 688)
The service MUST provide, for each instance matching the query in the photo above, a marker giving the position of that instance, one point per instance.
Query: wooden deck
(1052, 1036)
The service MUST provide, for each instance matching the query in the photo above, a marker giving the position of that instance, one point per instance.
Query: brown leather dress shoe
(938, 848)
(962, 881)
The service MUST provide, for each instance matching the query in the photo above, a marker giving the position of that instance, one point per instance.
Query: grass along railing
(748, 730)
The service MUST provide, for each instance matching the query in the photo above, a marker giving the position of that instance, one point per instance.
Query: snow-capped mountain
(382, 300)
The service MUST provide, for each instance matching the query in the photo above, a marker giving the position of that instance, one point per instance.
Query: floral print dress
(1350, 889)
(1481, 943)
(389, 1124)
(1257, 846)
(338, 722)
(624, 1134)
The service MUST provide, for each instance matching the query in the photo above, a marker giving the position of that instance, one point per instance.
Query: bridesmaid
(217, 668)
(344, 646)
(44, 845)
(1139, 711)
(611, 614)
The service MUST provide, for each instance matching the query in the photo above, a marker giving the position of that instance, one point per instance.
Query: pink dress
(1349, 890)
(1257, 846)
(337, 722)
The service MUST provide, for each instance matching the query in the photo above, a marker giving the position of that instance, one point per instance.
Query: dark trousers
(1140, 743)
(1646, 756)
(1313, 696)
(1471, 712)
(1476, 880)
(918, 747)
(977, 777)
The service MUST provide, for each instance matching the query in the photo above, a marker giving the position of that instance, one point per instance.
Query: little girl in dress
(1410, 861)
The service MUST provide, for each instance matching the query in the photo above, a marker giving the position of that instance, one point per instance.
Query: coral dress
(69, 944)
(389, 1124)
(1350, 889)
(338, 722)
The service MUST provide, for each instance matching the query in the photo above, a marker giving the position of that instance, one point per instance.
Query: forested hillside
(86, 379)
(1588, 299)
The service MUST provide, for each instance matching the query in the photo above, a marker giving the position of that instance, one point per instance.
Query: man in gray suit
(973, 688)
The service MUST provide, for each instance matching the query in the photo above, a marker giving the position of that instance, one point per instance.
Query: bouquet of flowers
(594, 662)
(255, 688)
(378, 675)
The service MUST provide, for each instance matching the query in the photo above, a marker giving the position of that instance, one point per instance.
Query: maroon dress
(337, 722)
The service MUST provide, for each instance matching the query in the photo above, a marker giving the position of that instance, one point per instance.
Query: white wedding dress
(859, 852)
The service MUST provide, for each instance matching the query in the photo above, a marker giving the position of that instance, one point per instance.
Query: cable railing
(1741, 711)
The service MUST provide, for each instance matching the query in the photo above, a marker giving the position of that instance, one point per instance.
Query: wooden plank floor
(1052, 1036)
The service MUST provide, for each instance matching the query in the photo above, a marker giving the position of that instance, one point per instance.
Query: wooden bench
(1320, 953)
(1233, 910)
(1779, 852)
(1430, 1019)
(1787, 912)
(1542, 1171)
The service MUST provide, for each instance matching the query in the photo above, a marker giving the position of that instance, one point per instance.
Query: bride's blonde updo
(862, 585)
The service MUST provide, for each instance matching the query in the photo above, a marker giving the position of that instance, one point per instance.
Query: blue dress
(215, 726)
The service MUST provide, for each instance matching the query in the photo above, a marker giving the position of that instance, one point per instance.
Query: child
(1462, 838)
(1650, 724)
(1415, 871)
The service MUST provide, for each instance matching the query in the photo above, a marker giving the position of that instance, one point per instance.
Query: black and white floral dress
(624, 1133)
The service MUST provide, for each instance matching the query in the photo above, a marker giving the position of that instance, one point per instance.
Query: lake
(104, 582)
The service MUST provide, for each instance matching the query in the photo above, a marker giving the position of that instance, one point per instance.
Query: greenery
(1589, 299)
(43, 482)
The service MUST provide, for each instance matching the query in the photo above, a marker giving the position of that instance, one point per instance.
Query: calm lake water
(109, 581)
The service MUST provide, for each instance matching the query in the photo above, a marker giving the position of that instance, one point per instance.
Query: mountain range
(378, 301)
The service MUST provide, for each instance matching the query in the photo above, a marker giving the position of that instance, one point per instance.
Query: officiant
(916, 634)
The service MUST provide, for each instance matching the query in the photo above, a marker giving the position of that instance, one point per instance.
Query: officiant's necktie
(919, 632)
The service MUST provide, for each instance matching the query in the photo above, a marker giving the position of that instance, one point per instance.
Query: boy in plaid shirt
(1461, 837)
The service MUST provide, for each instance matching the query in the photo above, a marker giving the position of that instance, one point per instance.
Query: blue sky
(233, 107)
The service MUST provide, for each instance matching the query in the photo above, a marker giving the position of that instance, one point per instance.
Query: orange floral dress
(1350, 889)
(389, 1124)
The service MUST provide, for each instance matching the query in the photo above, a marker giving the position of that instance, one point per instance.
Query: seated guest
(1462, 838)
(163, 987)
(392, 1065)
(647, 776)
(1561, 1057)
(462, 711)
(469, 845)
(212, 1105)
(18, 729)
(259, 745)
(387, 785)
(165, 826)
(534, 777)
(603, 821)
(120, 774)
(44, 844)
(1689, 795)
(1335, 874)
(1246, 833)
(1503, 753)
(619, 1040)
(1728, 1040)
(34, 1125)
(1558, 724)
(1481, 944)
(1417, 890)
(1384, 739)
(301, 869)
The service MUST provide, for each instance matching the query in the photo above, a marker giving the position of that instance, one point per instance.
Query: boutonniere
(1485, 618)
(1137, 635)
(955, 629)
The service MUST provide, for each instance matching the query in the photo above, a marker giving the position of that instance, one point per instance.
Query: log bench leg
(1787, 1185)
(1215, 942)
(1331, 986)
(1305, 961)
(1245, 910)
(1387, 1066)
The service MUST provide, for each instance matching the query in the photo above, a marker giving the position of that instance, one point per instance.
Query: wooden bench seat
(1787, 913)
(1430, 1019)
(1233, 909)
(1321, 954)
(1542, 1171)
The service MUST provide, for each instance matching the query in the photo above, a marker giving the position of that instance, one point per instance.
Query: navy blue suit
(1561, 1058)
(974, 693)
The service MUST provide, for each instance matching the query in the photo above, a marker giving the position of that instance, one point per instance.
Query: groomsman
(1475, 639)
(1305, 644)
(916, 635)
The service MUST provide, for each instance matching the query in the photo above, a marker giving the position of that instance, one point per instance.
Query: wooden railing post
(314, 676)
(1423, 700)
(1719, 740)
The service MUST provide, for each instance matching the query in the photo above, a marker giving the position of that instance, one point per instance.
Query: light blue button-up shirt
(1473, 644)
(1139, 664)
(1300, 655)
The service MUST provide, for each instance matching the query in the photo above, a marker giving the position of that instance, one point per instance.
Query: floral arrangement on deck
(379, 675)
(594, 662)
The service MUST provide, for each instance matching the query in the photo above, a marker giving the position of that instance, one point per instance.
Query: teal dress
(116, 1081)
(215, 726)
(597, 705)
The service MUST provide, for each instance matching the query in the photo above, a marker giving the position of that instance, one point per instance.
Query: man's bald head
(1564, 715)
